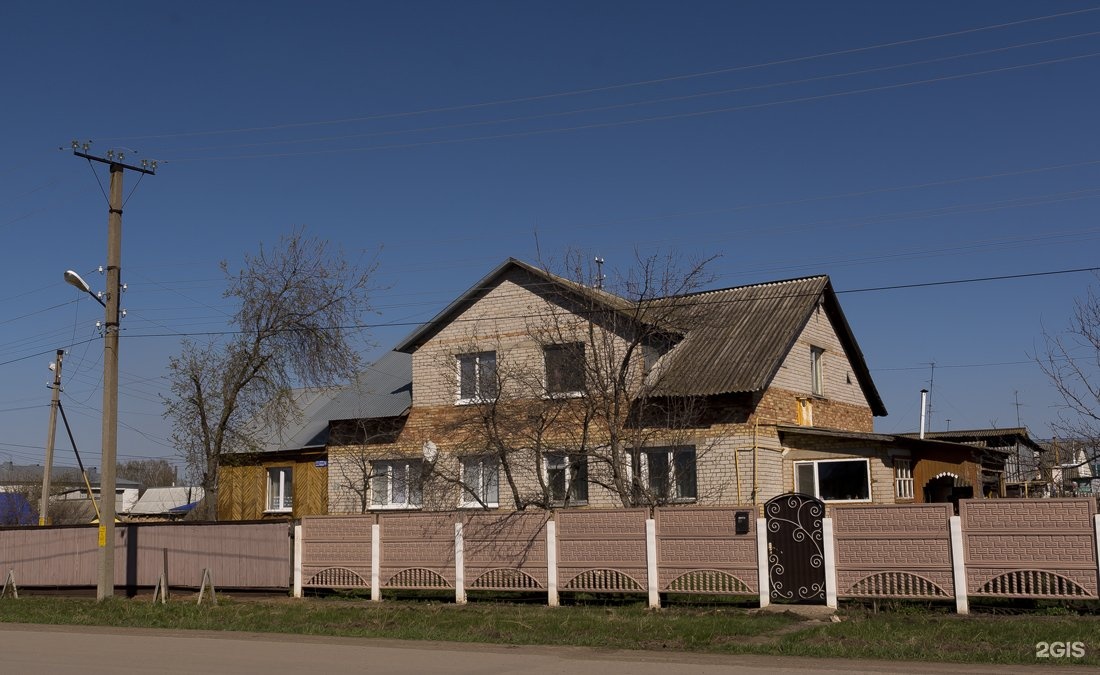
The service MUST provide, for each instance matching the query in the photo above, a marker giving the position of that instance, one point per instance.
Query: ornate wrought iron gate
(796, 562)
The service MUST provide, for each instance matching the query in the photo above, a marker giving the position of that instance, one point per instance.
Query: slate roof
(164, 500)
(733, 340)
(20, 474)
(991, 438)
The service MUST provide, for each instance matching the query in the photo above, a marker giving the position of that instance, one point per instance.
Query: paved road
(30, 650)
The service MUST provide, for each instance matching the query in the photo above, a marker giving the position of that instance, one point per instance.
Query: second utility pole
(44, 503)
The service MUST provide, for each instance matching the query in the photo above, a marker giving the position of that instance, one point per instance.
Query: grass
(916, 634)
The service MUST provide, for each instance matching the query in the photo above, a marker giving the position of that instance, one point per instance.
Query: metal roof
(988, 437)
(162, 500)
(900, 440)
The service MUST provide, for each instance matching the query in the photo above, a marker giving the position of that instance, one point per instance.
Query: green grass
(913, 635)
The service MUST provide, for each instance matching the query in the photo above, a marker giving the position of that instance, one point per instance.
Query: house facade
(532, 391)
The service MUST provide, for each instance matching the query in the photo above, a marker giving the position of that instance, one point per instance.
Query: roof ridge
(760, 284)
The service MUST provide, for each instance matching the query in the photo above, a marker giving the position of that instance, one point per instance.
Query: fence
(238, 555)
(996, 548)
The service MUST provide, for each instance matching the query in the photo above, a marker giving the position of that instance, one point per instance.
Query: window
(396, 483)
(817, 376)
(567, 478)
(668, 474)
(280, 489)
(836, 480)
(480, 481)
(903, 478)
(564, 368)
(477, 376)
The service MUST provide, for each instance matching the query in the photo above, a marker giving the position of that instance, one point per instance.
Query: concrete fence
(996, 548)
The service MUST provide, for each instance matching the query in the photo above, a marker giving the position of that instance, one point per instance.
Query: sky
(892, 146)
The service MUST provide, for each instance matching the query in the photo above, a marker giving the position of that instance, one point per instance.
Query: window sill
(395, 507)
(565, 505)
(555, 395)
(277, 511)
(474, 401)
(478, 507)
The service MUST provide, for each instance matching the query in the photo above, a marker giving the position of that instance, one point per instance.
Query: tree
(588, 404)
(298, 323)
(148, 472)
(1071, 361)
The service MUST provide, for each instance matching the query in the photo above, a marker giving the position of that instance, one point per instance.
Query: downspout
(737, 472)
(755, 457)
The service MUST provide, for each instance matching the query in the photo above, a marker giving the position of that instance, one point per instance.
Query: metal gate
(796, 561)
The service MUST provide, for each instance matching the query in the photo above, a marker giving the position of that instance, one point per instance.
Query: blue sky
(883, 144)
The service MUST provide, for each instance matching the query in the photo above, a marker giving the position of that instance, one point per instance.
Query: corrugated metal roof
(383, 389)
(1005, 437)
(158, 501)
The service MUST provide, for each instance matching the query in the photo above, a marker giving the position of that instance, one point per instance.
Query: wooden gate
(796, 561)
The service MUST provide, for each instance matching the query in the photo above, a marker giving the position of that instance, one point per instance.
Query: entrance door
(796, 561)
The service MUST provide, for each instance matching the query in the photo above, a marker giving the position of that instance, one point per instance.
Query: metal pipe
(923, 410)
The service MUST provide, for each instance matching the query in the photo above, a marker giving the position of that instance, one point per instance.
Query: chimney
(923, 410)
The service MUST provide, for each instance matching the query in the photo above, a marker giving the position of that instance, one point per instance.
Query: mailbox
(741, 522)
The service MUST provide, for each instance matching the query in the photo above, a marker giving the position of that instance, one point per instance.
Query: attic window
(817, 375)
(477, 376)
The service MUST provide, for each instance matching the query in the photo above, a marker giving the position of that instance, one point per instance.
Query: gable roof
(552, 282)
(748, 330)
(382, 389)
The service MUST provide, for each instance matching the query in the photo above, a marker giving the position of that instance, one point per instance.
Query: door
(796, 561)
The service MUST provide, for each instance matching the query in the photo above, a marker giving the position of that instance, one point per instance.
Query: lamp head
(73, 279)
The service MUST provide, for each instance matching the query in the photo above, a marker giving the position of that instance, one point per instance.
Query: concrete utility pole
(106, 568)
(44, 503)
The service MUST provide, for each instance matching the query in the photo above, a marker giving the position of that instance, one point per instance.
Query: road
(31, 649)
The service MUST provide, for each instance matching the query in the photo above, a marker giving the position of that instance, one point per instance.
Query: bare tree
(587, 405)
(1071, 360)
(300, 306)
(148, 472)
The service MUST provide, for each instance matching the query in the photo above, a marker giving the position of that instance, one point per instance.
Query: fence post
(829, 550)
(375, 562)
(460, 566)
(1096, 540)
(552, 563)
(651, 563)
(296, 590)
(958, 566)
(762, 561)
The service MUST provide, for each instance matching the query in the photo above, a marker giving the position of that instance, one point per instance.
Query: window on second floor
(396, 483)
(480, 481)
(280, 489)
(817, 371)
(477, 376)
(564, 368)
(567, 478)
(667, 474)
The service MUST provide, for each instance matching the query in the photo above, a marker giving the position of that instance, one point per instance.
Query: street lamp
(75, 280)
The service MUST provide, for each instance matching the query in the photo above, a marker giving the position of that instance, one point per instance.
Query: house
(166, 503)
(289, 477)
(69, 502)
(531, 390)
(1010, 462)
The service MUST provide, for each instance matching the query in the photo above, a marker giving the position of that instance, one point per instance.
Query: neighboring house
(290, 477)
(1010, 461)
(736, 395)
(16, 510)
(69, 492)
(166, 503)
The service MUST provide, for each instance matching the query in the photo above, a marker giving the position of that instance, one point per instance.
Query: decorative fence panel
(699, 551)
(893, 551)
(336, 551)
(602, 551)
(418, 550)
(1030, 548)
(505, 552)
(238, 555)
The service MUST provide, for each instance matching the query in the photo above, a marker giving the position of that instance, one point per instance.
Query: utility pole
(44, 503)
(106, 568)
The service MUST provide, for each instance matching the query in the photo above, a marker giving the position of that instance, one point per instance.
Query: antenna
(599, 272)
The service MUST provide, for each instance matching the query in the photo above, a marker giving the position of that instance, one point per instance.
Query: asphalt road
(30, 649)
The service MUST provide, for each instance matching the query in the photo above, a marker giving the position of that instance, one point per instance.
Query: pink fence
(893, 551)
(238, 555)
(505, 552)
(699, 551)
(1030, 548)
(418, 550)
(602, 550)
(336, 551)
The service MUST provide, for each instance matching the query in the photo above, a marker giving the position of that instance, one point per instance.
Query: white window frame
(382, 475)
(570, 463)
(280, 489)
(816, 492)
(477, 358)
(903, 478)
(642, 468)
(487, 480)
(564, 347)
(817, 371)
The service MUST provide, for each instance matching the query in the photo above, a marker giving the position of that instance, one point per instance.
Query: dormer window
(477, 377)
(564, 368)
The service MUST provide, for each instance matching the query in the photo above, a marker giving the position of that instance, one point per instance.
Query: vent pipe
(923, 410)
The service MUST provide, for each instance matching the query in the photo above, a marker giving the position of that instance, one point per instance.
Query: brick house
(533, 391)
